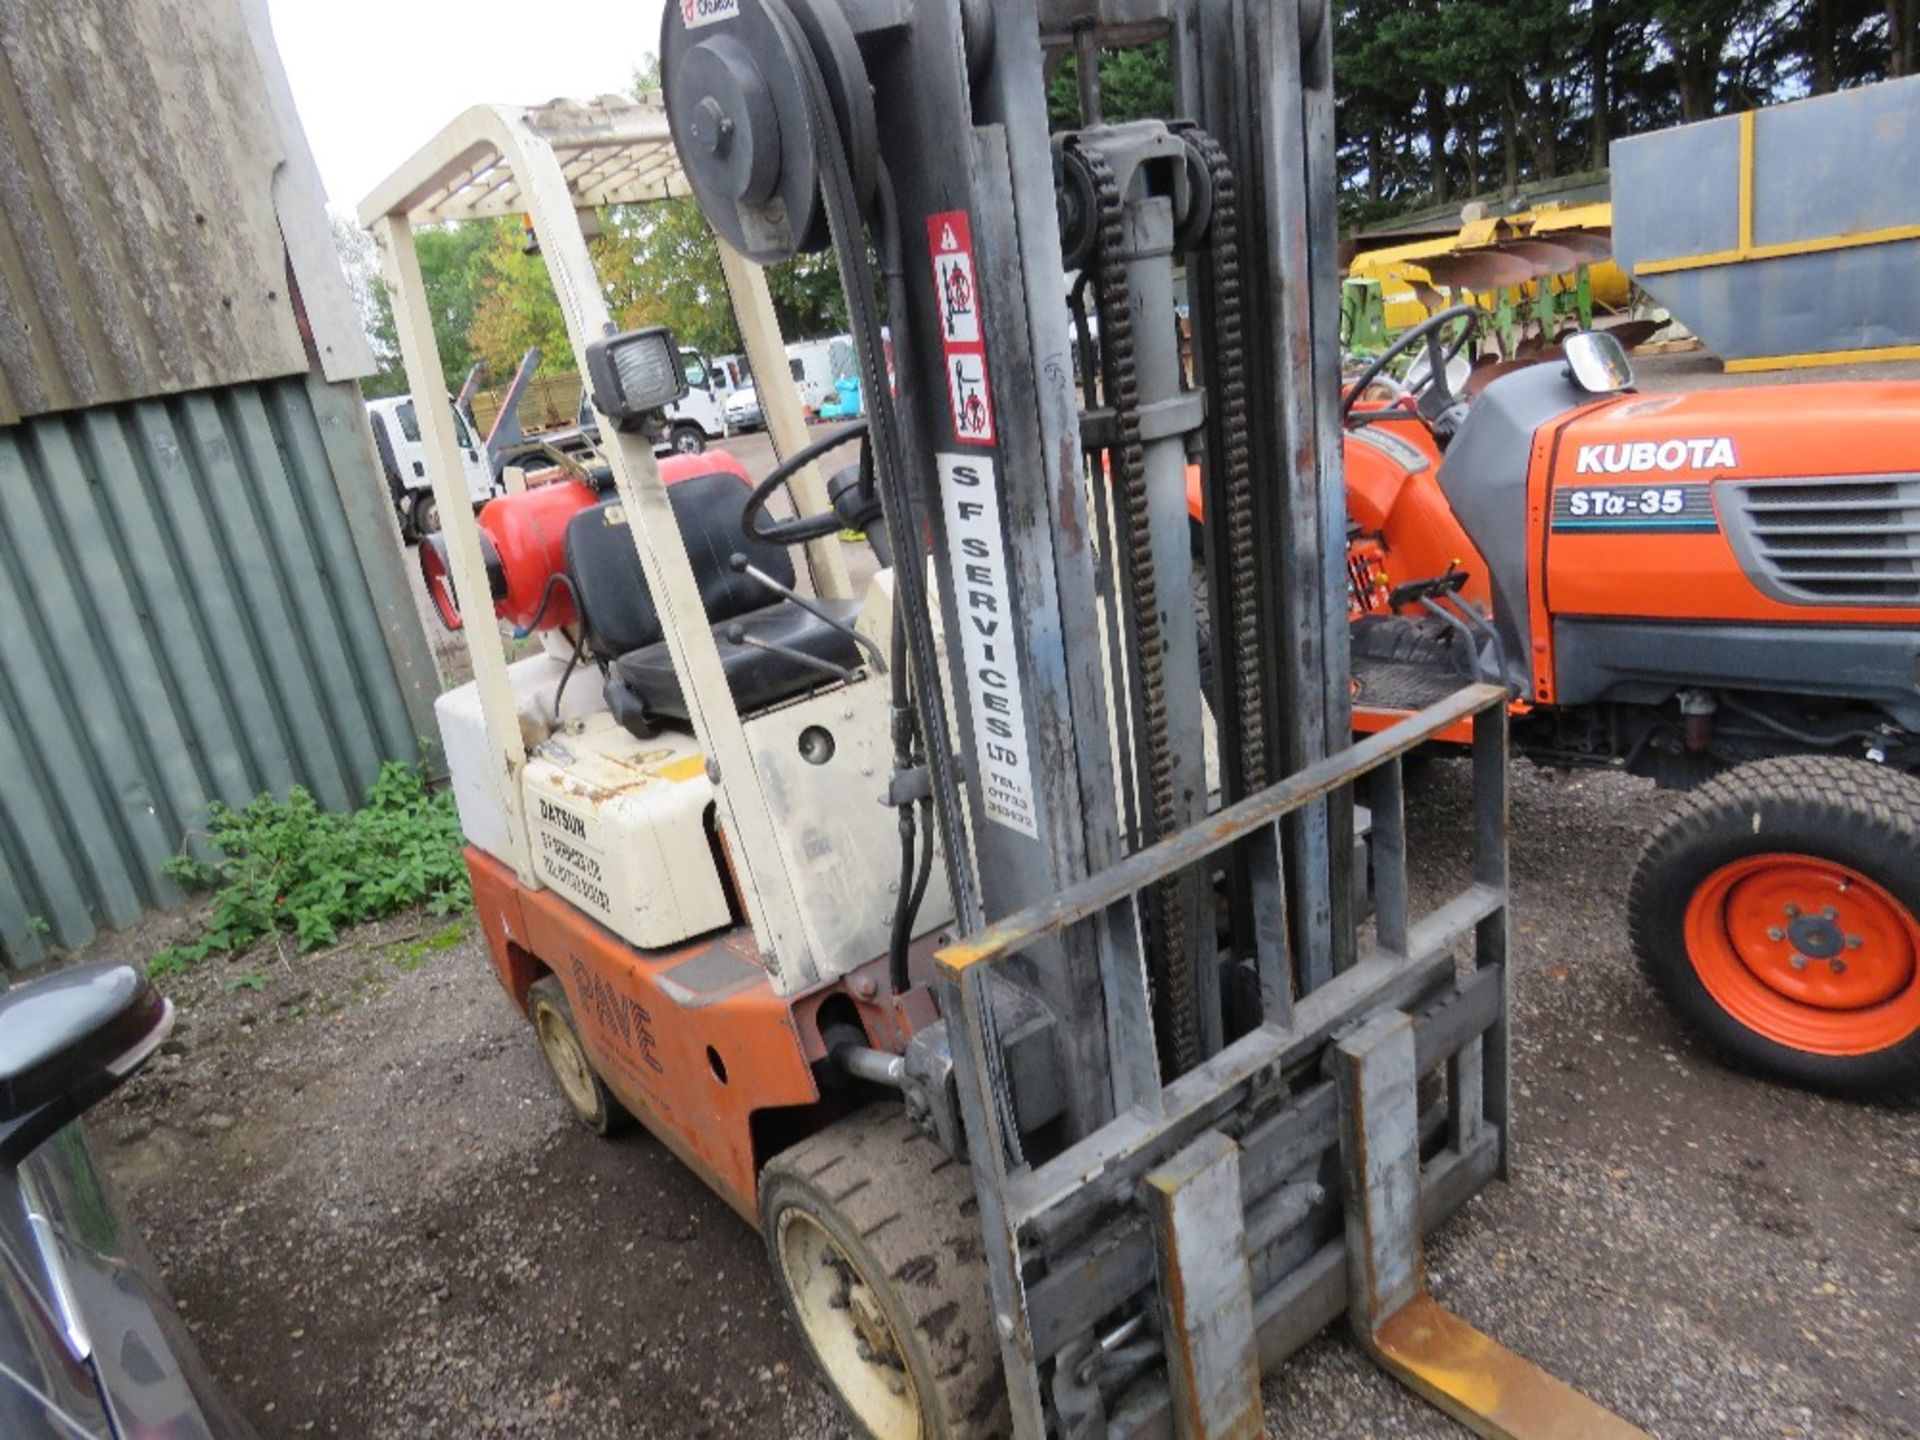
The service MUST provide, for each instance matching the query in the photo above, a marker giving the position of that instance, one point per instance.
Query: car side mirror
(66, 1041)
(1597, 362)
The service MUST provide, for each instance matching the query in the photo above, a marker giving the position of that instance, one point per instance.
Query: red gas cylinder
(523, 539)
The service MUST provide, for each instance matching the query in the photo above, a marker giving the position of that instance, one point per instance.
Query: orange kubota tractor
(1719, 590)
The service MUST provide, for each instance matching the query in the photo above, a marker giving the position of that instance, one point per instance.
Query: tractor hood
(1484, 479)
(1778, 504)
(1761, 540)
(1775, 431)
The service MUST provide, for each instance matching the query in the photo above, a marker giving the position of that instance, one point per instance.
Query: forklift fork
(1415, 1339)
(1145, 1277)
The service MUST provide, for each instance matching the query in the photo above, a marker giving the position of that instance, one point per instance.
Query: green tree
(1835, 43)
(807, 297)
(1135, 84)
(1903, 37)
(1695, 35)
(450, 269)
(1439, 97)
(360, 263)
(662, 267)
(660, 264)
(514, 307)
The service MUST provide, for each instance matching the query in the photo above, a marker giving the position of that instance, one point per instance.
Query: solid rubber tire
(608, 1117)
(1861, 816)
(903, 1209)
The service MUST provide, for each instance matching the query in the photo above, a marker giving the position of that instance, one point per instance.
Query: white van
(403, 456)
(819, 366)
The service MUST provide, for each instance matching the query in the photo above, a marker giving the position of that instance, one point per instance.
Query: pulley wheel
(741, 124)
(845, 71)
(1079, 207)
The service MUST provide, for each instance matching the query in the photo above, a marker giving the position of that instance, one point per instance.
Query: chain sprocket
(1167, 955)
(1230, 368)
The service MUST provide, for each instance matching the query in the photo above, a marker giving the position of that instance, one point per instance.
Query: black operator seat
(624, 632)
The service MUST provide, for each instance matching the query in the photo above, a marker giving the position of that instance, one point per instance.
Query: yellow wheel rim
(567, 1061)
(849, 1331)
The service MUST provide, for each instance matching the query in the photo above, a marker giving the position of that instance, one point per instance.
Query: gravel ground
(380, 1223)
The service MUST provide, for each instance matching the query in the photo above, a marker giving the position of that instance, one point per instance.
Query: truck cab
(395, 422)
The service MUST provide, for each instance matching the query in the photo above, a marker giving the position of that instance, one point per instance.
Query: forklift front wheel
(875, 1243)
(1777, 910)
(567, 1058)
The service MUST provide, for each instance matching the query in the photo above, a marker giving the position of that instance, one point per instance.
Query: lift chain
(1167, 958)
(1230, 370)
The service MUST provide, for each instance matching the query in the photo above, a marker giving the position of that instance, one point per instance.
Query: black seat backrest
(610, 590)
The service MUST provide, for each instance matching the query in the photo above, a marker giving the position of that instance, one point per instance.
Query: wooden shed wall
(142, 147)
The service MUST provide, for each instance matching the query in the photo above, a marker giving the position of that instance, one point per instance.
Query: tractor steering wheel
(1432, 397)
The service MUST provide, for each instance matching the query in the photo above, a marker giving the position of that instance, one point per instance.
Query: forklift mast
(1052, 479)
(1225, 1142)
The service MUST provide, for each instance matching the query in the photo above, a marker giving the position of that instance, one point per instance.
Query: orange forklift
(1023, 1002)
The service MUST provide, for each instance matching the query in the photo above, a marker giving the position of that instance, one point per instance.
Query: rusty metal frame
(1073, 1249)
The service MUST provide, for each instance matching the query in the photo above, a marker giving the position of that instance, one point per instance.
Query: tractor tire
(874, 1236)
(1777, 911)
(687, 439)
(585, 1092)
(426, 515)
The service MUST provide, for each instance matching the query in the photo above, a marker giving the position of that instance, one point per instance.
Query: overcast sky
(374, 79)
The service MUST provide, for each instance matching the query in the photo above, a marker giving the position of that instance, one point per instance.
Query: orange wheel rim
(1807, 953)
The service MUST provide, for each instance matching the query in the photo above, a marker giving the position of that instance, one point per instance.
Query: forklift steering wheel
(1433, 385)
(809, 527)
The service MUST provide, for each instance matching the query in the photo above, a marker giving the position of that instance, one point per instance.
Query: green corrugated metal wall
(201, 598)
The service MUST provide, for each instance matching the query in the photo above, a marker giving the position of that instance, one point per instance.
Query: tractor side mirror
(1597, 362)
(68, 1040)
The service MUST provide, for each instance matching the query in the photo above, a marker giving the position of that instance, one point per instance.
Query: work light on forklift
(633, 374)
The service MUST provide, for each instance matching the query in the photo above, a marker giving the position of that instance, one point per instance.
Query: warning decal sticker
(963, 335)
(959, 319)
(972, 411)
(977, 551)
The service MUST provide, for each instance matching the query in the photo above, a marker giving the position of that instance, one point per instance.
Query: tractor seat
(624, 630)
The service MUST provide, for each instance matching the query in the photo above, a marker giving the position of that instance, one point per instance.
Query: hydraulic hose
(554, 581)
(906, 906)
(1793, 732)
(573, 664)
(891, 454)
